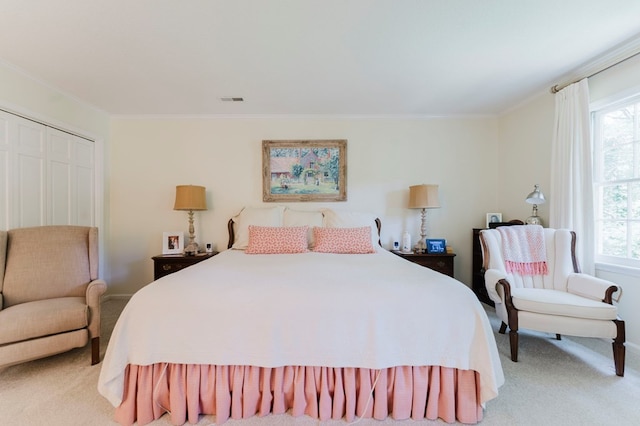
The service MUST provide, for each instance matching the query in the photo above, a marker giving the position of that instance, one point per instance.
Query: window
(616, 139)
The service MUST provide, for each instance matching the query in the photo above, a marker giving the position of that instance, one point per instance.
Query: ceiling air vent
(231, 99)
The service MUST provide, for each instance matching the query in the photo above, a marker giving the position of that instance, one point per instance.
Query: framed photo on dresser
(172, 242)
(436, 246)
(493, 218)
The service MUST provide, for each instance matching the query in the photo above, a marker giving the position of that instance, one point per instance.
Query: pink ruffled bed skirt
(186, 391)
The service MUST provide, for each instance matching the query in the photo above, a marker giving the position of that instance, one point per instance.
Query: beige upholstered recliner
(49, 292)
(563, 301)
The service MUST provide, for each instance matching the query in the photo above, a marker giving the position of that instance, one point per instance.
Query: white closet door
(47, 176)
(70, 194)
(28, 194)
(60, 182)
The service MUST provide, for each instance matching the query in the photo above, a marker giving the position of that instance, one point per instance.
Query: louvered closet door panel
(29, 176)
(70, 180)
(5, 170)
(60, 178)
(47, 176)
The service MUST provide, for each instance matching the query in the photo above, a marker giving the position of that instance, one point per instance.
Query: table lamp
(423, 197)
(190, 198)
(535, 198)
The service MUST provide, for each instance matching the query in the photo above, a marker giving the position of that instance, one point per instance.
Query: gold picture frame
(304, 170)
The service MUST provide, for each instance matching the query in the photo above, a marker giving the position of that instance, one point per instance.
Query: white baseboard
(108, 297)
(632, 347)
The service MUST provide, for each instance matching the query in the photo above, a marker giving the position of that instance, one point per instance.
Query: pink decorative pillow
(275, 239)
(343, 240)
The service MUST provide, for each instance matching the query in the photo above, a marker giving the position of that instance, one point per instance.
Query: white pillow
(310, 218)
(259, 216)
(348, 219)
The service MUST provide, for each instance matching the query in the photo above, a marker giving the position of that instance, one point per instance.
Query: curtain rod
(558, 87)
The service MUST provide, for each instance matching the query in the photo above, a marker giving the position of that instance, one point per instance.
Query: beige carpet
(571, 382)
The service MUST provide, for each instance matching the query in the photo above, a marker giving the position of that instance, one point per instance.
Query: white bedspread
(335, 310)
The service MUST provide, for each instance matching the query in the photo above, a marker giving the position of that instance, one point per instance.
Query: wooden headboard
(232, 232)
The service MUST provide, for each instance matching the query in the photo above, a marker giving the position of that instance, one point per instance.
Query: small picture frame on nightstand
(172, 242)
(493, 218)
(436, 246)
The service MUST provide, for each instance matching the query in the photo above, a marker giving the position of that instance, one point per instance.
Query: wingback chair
(562, 301)
(49, 292)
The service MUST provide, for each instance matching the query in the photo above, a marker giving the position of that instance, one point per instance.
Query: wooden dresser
(441, 262)
(165, 264)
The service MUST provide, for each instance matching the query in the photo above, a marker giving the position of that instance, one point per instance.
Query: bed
(337, 329)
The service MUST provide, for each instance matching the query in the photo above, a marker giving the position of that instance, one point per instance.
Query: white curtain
(571, 198)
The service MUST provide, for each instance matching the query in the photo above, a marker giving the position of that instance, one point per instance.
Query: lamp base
(533, 220)
(191, 249)
(421, 245)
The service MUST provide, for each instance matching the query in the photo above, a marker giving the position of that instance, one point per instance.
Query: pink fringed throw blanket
(523, 249)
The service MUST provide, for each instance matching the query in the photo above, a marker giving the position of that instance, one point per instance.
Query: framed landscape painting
(304, 170)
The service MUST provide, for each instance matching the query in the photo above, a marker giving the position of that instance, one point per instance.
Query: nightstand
(165, 264)
(441, 262)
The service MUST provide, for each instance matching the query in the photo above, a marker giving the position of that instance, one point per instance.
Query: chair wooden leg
(513, 340)
(618, 348)
(95, 350)
(503, 328)
(512, 313)
(618, 358)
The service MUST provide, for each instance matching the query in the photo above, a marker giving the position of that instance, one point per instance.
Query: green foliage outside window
(617, 176)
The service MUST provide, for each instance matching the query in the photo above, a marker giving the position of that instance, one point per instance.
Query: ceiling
(326, 57)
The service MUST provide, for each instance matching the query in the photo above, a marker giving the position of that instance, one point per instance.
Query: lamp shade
(536, 197)
(190, 197)
(423, 197)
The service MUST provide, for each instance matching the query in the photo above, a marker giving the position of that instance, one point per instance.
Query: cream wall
(152, 155)
(524, 153)
(22, 94)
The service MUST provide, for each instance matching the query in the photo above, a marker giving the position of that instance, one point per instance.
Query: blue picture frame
(436, 246)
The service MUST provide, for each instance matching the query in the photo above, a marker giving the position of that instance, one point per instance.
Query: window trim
(628, 97)
(617, 269)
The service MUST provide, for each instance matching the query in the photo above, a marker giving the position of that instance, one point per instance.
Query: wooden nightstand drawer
(169, 263)
(441, 262)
